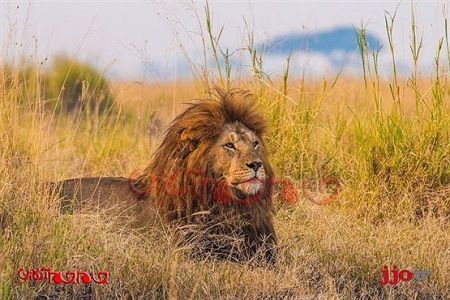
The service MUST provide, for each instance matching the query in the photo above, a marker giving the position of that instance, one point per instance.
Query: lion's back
(110, 195)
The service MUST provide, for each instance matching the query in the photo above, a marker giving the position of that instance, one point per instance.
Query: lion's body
(111, 195)
(211, 170)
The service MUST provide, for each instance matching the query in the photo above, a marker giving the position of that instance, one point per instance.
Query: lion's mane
(178, 180)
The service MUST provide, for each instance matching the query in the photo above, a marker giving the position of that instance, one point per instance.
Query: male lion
(211, 171)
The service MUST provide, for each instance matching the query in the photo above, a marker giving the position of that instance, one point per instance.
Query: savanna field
(385, 139)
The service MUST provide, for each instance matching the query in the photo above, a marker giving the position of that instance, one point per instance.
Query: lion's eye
(229, 146)
(255, 144)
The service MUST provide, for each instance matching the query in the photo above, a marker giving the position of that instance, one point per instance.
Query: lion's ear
(187, 134)
(190, 136)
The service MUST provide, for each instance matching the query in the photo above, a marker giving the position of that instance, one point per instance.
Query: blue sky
(139, 40)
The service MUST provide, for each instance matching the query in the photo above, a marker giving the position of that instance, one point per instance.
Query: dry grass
(336, 250)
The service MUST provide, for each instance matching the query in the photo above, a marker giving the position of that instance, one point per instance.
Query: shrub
(73, 87)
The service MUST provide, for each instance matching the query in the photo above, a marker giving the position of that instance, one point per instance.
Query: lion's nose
(255, 165)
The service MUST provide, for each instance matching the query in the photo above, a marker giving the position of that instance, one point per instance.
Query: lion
(212, 171)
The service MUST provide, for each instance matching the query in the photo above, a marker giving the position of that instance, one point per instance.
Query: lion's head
(238, 156)
(213, 157)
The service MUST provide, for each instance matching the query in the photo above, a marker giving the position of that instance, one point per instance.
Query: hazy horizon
(139, 40)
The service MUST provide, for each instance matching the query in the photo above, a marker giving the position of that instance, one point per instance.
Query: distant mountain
(324, 42)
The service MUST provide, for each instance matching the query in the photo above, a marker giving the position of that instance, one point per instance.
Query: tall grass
(387, 141)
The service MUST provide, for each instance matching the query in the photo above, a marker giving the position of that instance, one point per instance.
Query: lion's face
(238, 158)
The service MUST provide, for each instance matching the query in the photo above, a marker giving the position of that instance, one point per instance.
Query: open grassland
(393, 209)
(387, 140)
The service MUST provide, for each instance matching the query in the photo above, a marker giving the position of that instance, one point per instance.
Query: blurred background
(150, 40)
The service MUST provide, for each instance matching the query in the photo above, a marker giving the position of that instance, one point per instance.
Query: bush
(74, 87)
